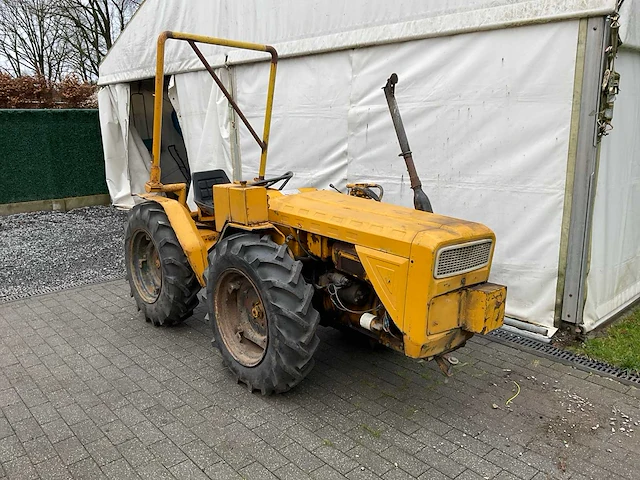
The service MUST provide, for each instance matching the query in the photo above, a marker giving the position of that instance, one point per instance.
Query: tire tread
(180, 287)
(296, 321)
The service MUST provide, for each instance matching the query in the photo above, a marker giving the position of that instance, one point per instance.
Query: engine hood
(382, 226)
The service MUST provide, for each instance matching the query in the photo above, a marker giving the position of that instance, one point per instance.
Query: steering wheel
(269, 182)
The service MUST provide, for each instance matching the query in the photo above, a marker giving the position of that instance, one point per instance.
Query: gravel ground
(47, 251)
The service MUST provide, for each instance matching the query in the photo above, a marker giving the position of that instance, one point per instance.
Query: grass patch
(618, 345)
(372, 431)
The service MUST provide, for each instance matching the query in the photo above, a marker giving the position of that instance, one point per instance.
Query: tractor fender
(191, 241)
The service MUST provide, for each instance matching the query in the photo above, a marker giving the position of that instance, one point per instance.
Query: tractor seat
(203, 183)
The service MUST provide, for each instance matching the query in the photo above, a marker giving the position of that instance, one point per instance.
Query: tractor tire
(261, 313)
(160, 277)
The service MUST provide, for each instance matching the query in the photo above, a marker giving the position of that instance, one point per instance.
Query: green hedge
(48, 154)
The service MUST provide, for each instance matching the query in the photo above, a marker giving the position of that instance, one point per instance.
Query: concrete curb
(56, 205)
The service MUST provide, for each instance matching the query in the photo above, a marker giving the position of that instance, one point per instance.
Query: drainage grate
(59, 288)
(578, 361)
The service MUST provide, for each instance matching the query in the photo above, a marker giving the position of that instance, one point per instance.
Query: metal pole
(420, 199)
(268, 110)
(226, 93)
(154, 177)
(154, 183)
(585, 175)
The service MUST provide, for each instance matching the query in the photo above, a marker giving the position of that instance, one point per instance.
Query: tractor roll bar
(154, 183)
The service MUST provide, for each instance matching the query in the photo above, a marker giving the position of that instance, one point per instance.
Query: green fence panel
(48, 154)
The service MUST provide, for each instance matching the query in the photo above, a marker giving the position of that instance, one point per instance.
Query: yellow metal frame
(154, 184)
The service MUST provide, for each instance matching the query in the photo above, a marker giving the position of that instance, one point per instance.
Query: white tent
(499, 102)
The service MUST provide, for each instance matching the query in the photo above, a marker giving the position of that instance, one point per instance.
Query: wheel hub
(145, 267)
(241, 317)
(256, 311)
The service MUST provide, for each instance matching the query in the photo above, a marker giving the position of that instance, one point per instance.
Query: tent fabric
(203, 113)
(127, 161)
(630, 24)
(309, 128)
(487, 115)
(126, 121)
(613, 281)
(314, 26)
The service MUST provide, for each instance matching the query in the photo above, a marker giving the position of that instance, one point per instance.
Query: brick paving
(89, 390)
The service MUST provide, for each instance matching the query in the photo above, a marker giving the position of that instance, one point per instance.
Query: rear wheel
(261, 313)
(159, 274)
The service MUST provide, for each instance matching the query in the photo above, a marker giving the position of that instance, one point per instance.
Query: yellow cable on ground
(517, 393)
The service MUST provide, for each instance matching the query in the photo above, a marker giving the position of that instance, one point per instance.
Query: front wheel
(261, 313)
(161, 279)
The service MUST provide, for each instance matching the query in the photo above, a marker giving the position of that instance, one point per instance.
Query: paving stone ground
(89, 390)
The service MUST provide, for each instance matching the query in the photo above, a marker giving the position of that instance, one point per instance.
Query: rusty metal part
(241, 317)
(357, 294)
(420, 199)
(335, 278)
(257, 312)
(270, 182)
(445, 366)
(349, 290)
(145, 266)
(318, 245)
(364, 190)
(450, 358)
(611, 79)
(346, 259)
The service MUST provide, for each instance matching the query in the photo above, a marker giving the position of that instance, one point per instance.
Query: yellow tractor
(278, 262)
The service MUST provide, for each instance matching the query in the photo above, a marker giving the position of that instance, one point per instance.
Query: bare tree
(52, 38)
(92, 27)
(31, 38)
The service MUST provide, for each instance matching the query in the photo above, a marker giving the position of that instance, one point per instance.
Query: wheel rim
(144, 264)
(241, 317)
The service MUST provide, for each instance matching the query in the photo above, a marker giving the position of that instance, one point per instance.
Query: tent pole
(583, 194)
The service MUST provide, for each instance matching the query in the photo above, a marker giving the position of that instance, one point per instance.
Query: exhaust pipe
(420, 199)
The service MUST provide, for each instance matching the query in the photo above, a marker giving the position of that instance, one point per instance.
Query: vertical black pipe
(420, 199)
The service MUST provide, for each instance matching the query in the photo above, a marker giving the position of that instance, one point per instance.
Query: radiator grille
(462, 258)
